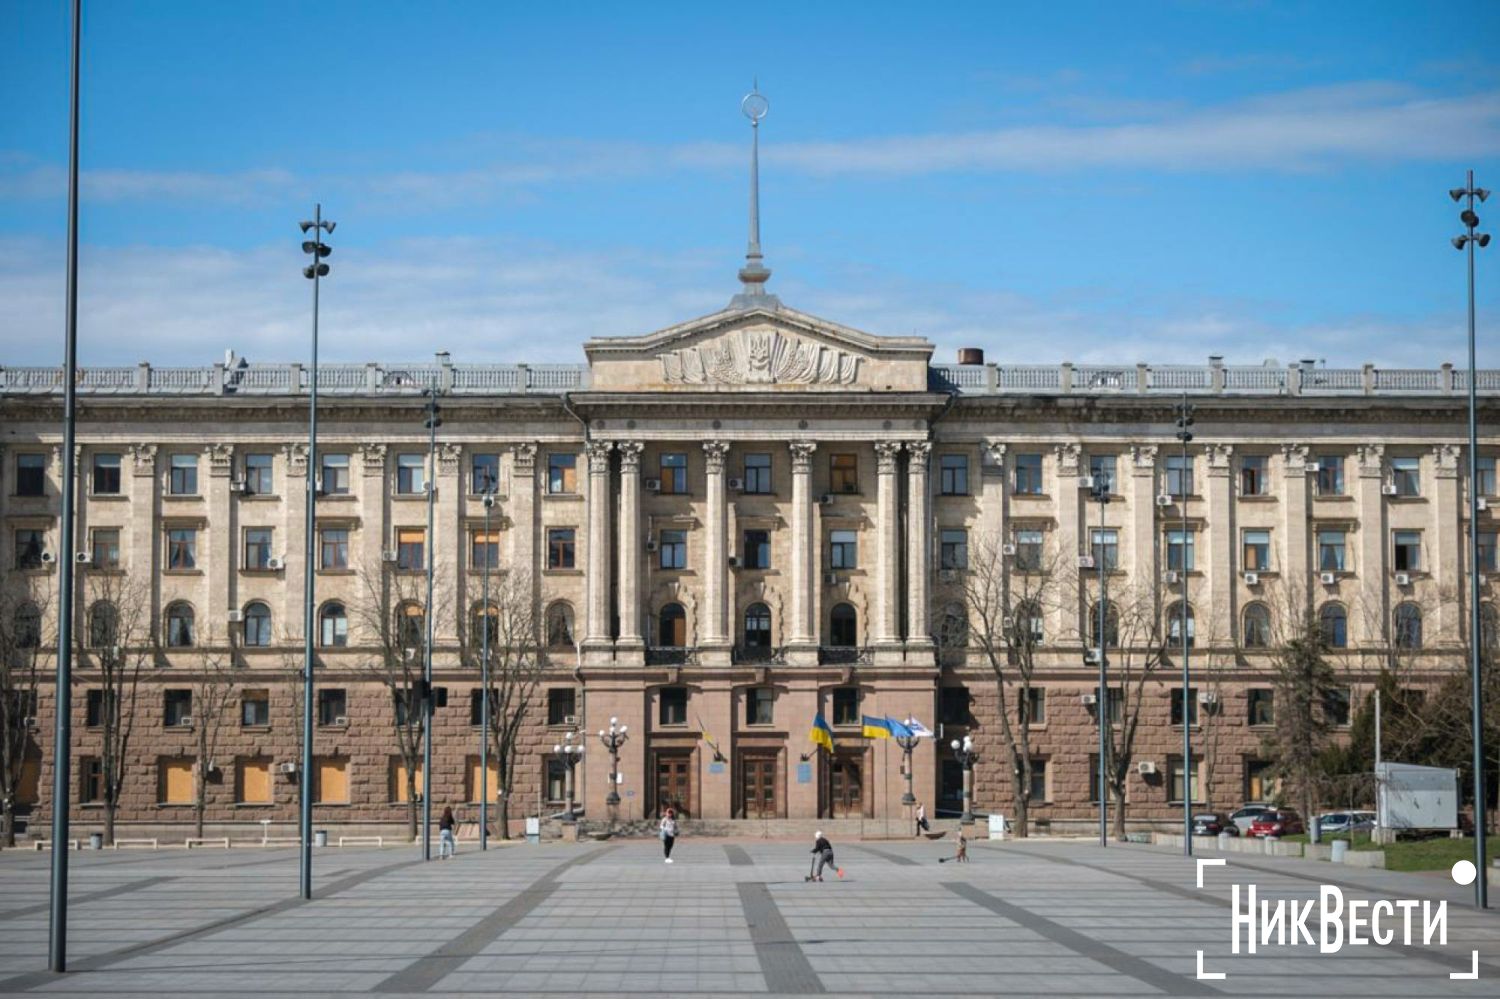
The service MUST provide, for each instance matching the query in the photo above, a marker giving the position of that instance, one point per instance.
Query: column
(801, 629)
(1295, 566)
(221, 544)
(449, 547)
(1144, 537)
(596, 635)
(631, 545)
(523, 525)
(1076, 518)
(295, 510)
(1448, 554)
(918, 546)
(1370, 612)
(1221, 566)
(712, 636)
(887, 624)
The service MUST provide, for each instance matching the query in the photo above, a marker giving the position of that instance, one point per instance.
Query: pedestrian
(446, 845)
(921, 819)
(962, 854)
(822, 857)
(668, 832)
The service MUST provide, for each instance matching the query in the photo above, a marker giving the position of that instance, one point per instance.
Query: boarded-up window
(175, 781)
(255, 782)
(398, 780)
(331, 780)
(31, 770)
(492, 786)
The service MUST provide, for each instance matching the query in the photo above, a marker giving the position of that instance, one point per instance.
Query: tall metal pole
(62, 748)
(1102, 701)
(484, 697)
(432, 425)
(1184, 421)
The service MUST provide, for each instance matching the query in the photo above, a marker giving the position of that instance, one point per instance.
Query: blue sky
(1125, 182)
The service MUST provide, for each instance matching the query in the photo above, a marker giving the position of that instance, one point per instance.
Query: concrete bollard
(1340, 847)
(1223, 841)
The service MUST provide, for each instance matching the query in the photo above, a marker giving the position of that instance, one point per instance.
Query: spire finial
(754, 274)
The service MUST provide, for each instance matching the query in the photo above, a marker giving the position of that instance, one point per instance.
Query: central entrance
(846, 786)
(758, 786)
(674, 783)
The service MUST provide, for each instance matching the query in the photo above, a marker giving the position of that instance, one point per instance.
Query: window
(257, 548)
(411, 626)
(561, 705)
(846, 705)
(334, 548)
(183, 478)
(484, 473)
(477, 784)
(1038, 788)
(105, 545)
(1030, 625)
(1033, 706)
(1179, 475)
(403, 783)
(843, 473)
(758, 705)
(1489, 626)
(331, 780)
(180, 626)
(30, 548)
(411, 474)
(1257, 551)
(560, 626)
(673, 549)
(1105, 545)
(182, 548)
(484, 624)
(757, 473)
(1484, 484)
(411, 549)
(562, 474)
(843, 550)
(757, 626)
(96, 704)
(1330, 479)
(1181, 550)
(1408, 620)
(557, 778)
(257, 625)
(671, 627)
(107, 474)
(254, 782)
(333, 629)
(333, 705)
(1408, 550)
(1028, 475)
(674, 474)
(953, 475)
(1259, 784)
(1174, 792)
(560, 547)
(1102, 469)
(1174, 626)
(953, 705)
(476, 707)
(1262, 706)
(1486, 551)
(1334, 622)
(31, 474)
(1192, 699)
(1406, 476)
(843, 627)
(258, 481)
(1112, 625)
(1257, 630)
(90, 780)
(1253, 475)
(484, 549)
(954, 549)
(953, 627)
(1029, 550)
(1336, 706)
(756, 552)
(27, 622)
(104, 625)
(255, 708)
(334, 477)
(672, 706)
(1331, 550)
(177, 708)
(174, 781)
(950, 784)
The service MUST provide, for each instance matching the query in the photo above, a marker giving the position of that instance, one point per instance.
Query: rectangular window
(953, 475)
(1262, 706)
(1102, 470)
(484, 549)
(1179, 475)
(672, 706)
(90, 780)
(843, 550)
(1257, 551)
(1116, 699)
(492, 785)
(1039, 781)
(183, 478)
(557, 779)
(1253, 475)
(846, 705)
(30, 547)
(673, 549)
(1181, 550)
(331, 780)
(1093, 778)
(1486, 551)
(411, 549)
(953, 550)
(257, 547)
(757, 473)
(484, 474)
(255, 707)
(562, 705)
(1330, 550)
(182, 548)
(1259, 784)
(1174, 791)
(177, 707)
(1029, 550)
(31, 474)
(400, 790)
(411, 474)
(174, 781)
(1028, 474)
(258, 481)
(1176, 698)
(334, 548)
(1485, 476)
(107, 474)
(334, 474)
(254, 782)
(843, 473)
(756, 553)
(95, 703)
(1105, 547)
(1336, 706)
(953, 705)
(758, 705)
(560, 547)
(674, 474)
(476, 707)
(333, 705)
(1406, 476)
(1034, 706)
(562, 474)
(1330, 478)
(1408, 551)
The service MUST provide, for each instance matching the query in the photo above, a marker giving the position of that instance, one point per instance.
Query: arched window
(953, 627)
(843, 627)
(1029, 626)
(257, 625)
(1174, 626)
(1489, 627)
(1408, 626)
(28, 626)
(104, 625)
(333, 626)
(1333, 619)
(411, 626)
(180, 631)
(757, 627)
(1111, 625)
(560, 626)
(672, 627)
(1257, 630)
(485, 620)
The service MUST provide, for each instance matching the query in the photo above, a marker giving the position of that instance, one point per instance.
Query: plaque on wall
(804, 773)
(716, 768)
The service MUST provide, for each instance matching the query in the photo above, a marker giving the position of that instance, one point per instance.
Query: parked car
(1213, 823)
(1247, 815)
(1278, 822)
(1340, 823)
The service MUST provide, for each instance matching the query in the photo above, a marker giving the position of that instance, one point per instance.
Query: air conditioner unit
(831, 578)
(48, 558)
(340, 721)
(1328, 578)
(1007, 550)
(1085, 561)
(1145, 768)
(1481, 503)
(287, 768)
(1170, 577)
(1208, 697)
(83, 558)
(1089, 700)
(1312, 468)
(734, 561)
(570, 719)
(1403, 579)
(826, 499)
(29, 721)
(388, 556)
(1085, 482)
(1389, 489)
(275, 564)
(186, 721)
(651, 545)
(736, 485)
(1164, 499)
(1007, 622)
(236, 616)
(651, 485)
(1091, 658)
(1252, 579)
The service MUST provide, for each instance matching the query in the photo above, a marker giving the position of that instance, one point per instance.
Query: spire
(754, 274)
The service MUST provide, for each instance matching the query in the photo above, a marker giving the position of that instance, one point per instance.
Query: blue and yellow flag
(821, 734)
(876, 728)
(898, 729)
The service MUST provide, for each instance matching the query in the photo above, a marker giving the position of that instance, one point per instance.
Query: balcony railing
(1209, 379)
(845, 655)
(748, 655)
(671, 655)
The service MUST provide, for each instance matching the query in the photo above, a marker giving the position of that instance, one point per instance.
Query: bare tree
(1306, 690)
(117, 642)
(24, 648)
(213, 693)
(1214, 653)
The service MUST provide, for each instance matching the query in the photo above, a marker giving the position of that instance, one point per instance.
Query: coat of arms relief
(759, 358)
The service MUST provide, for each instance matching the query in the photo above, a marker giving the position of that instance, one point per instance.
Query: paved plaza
(730, 917)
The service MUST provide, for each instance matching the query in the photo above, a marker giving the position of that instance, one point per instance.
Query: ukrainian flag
(876, 728)
(821, 734)
(898, 729)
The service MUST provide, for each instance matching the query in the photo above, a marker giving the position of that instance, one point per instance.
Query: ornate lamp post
(908, 742)
(613, 740)
(967, 756)
(569, 754)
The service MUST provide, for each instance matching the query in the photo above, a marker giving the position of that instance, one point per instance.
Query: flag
(876, 728)
(897, 729)
(919, 730)
(821, 734)
(703, 733)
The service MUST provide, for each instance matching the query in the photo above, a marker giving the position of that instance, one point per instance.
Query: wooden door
(846, 786)
(758, 787)
(674, 784)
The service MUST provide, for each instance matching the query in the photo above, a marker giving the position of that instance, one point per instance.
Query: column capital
(886, 453)
(598, 452)
(802, 452)
(1143, 458)
(630, 455)
(220, 459)
(919, 451)
(524, 457)
(296, 459)
(1067, 459)
(1447, 460)
(372, 458)
(1295, 457)
(1219, 456)
(1371, 459)
(143, 458)
(993, 455)
(715, 452)
(449, 455)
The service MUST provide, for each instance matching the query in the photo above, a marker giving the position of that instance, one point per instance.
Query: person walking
(921, 819)
(668, 832)
(822, 857)
(962, 854)
(447, 847)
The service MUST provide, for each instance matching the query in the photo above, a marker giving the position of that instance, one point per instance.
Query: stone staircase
(774, 829)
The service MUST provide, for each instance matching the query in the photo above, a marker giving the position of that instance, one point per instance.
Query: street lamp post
(315, 271)
(1101, 702)
(1184, 435)
(569, 754)
(908, 742)
(432, 422)
(490, 619)
(613, 740)
(966, 755)
(1468, 241)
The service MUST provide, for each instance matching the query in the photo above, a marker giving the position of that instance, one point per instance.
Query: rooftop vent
(971, 355)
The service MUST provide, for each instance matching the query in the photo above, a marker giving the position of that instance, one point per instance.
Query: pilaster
(1295, 564)
(221, 543)
(802, 641)
(886, 630)
(596, 636)
(523, 523)
(1372, 617)
(1448, 555)
(1223, 590)
(631, 545)
(918, 546)
(714, 640)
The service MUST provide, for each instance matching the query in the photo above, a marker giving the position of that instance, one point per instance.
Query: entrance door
(673, 783)
(846, 786)
(758, 787)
